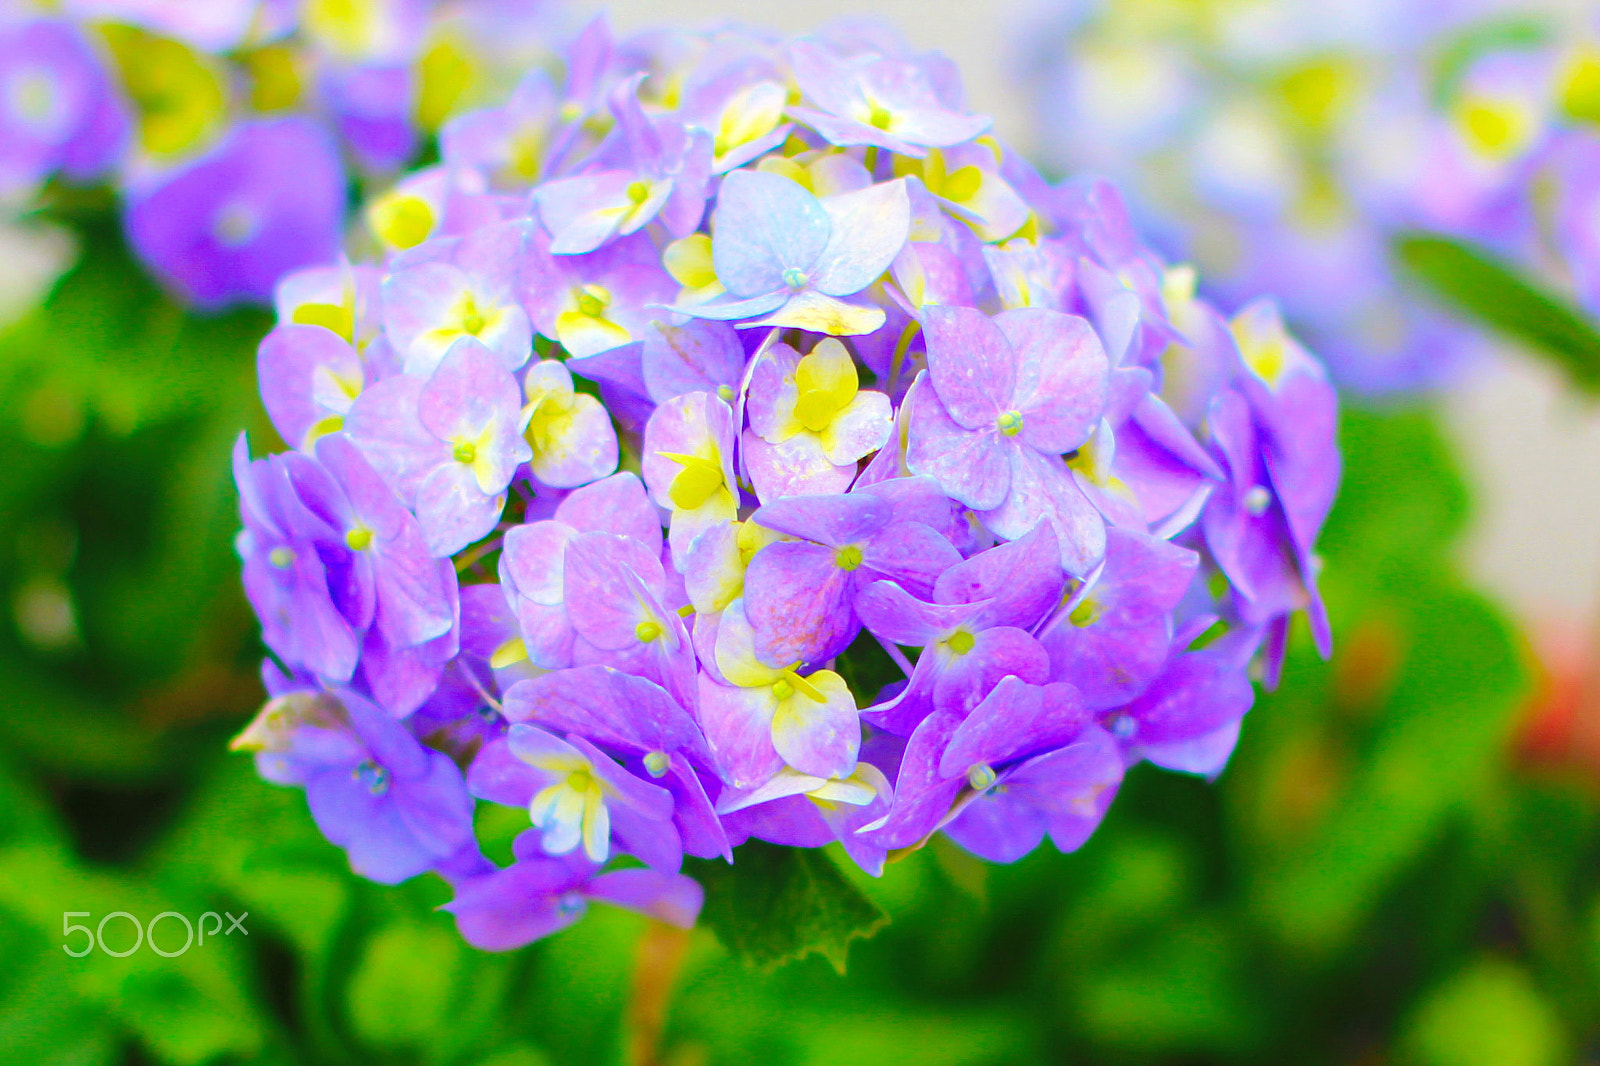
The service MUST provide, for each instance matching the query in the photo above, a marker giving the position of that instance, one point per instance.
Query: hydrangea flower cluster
(230, 127)
(1284, 147)
(610, 490)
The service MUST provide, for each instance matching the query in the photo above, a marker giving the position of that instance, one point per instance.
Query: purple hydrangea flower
(577, 796)
(800, 595)
(877, 100)
(538, 896)
(458, 287)
(448, 444)
(396, 807)
(58, 109)
(664, 171)
(1010, 395)
(783, 254)
(270, 198)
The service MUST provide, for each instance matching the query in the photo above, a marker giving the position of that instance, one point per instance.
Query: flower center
(1085, 613)
(34, 97)
(981, 777)
(647, 631)
(638, 192)
(357, 539)
(781, 689)
(465, 452)
(795, 278)
(1010, 423)
(472, 319)
(961, 641)
(373, 776)
(1257, 500)
(656, 763)
(281, 557)
(593, 301)
(848, 557)
(235, 224)
(880, 117)
(580, 781)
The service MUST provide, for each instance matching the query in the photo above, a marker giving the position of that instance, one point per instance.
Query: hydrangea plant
(736, 440)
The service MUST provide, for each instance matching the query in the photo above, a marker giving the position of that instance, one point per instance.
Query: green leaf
(56, 728)
(187, 1009)
(282, 870)
(1473, 281)
(776, 904)
(45, 1023)
(1183, 993)
(401, 991)
(1400, 490)
(1441, 733)
(1489, 1014)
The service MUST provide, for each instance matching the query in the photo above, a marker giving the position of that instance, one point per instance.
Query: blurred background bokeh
(1400, 865)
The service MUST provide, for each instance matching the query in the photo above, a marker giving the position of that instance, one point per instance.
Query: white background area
(1530, 448)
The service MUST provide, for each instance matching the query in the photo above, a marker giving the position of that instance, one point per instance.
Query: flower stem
(656, 967)
(894, 653)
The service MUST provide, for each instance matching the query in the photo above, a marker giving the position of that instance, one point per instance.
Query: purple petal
(695, 357)
(1013, 720)
(773, 393)
(671, 898)
(922, 795)
(436, 808)
(868, 229)
(999, 827)
(614, 709)
(385, 424)
(738, 726)
(969, 677)
(367, 825)
(797, 467)
(972, 467)
(516, 906)
(1024, 578)
(698, 825)
(836, 520)
(602, 602)
(308, 375)
(453, 510)
(1041, 485)
(765, 224)
(616, 504)
(973, 366)
(1061, 383)
(797, 600)
(1197, 694)
(892, 613)
(653, 841)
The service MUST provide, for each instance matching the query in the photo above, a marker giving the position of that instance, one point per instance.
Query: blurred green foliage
(1371, 881)
(1477, 284)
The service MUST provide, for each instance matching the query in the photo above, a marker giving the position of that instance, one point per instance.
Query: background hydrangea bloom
(1287, 150)
(231, 131)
